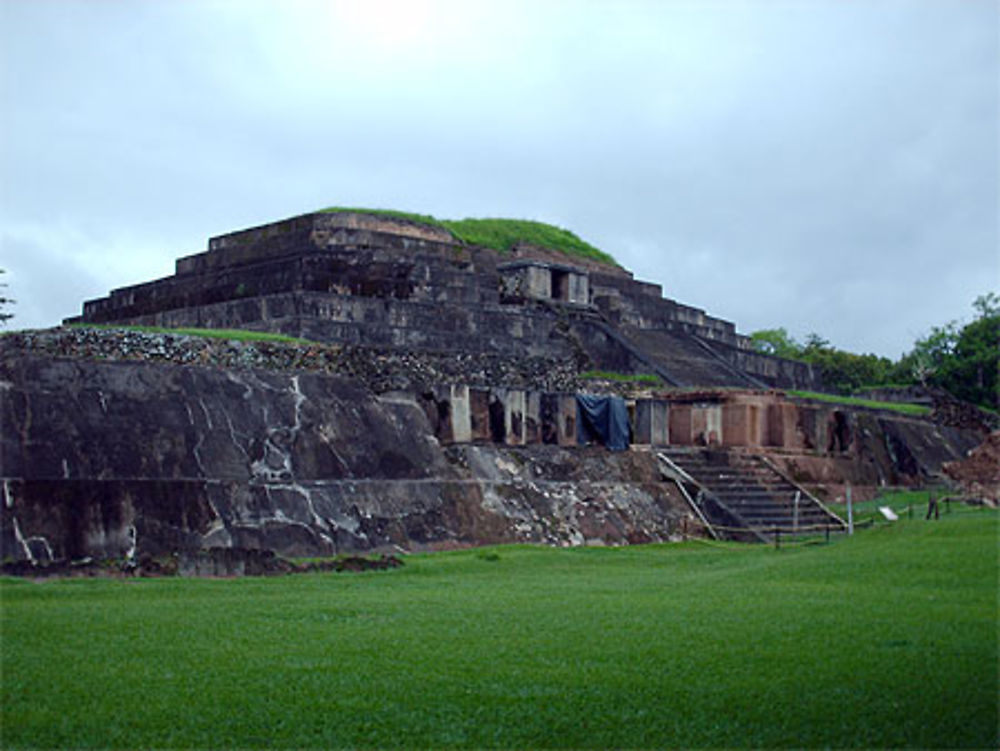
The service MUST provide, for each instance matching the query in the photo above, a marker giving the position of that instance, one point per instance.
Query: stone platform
(103, 458)
(380, 281)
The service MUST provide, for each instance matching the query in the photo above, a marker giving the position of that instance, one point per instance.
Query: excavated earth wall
(119, 443)
(112, 459)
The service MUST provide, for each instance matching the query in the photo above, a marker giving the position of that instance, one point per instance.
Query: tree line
(961, 359)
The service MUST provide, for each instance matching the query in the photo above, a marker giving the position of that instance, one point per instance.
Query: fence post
(827, 532)
(795, 514)
(850, 512)
(777, 538)
(947, 505)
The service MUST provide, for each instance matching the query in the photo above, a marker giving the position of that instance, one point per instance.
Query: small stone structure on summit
(392, 283)
(434, 405)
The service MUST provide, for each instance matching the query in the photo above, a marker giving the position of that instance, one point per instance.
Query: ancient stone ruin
(391, 283)
(434, 405)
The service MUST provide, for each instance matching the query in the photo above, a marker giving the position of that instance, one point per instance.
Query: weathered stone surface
(216, 561)
(439, 410)
(979, 473)
(878, 450)
(108, 459)
(365, 280)
(113, 458)
(377, 369)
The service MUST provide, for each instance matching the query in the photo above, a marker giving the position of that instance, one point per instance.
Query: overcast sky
(829, 167)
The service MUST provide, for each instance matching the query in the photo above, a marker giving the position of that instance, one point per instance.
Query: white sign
(888, 513)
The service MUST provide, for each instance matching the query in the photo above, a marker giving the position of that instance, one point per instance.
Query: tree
(841, 371)
(987, 305)
(816, 343)
(969, 371)
(962, 360)
(775, 342)
(845, 372)
(931, 352)
(4, 302)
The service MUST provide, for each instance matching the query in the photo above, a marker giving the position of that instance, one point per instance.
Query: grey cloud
(814, 165)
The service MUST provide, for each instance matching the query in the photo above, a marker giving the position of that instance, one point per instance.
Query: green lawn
(886, 639)
(908, 504)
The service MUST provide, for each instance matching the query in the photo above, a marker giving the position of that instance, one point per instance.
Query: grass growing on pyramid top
(499, 234)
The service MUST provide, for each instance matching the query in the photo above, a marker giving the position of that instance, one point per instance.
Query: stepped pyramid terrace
(447, 384)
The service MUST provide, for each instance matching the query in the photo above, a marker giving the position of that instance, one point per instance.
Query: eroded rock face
(979, 473)
(179, 446)
(111, 459)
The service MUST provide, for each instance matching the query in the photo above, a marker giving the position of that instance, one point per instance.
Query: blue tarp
(603, 419)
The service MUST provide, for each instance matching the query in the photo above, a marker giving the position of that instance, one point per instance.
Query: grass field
(886, 639)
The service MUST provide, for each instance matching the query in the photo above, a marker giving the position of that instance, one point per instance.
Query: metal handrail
(774, 467)
(679, 475)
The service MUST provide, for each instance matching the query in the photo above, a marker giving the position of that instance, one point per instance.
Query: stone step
(738, 484)
(759, 495)
(744, 510)
(759, 490)
(752, 489)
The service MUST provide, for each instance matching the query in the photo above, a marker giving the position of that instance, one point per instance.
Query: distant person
(932, 508)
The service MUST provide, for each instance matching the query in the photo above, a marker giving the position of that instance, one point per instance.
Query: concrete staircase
(744, 495)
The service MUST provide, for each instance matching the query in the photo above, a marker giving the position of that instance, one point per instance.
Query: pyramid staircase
(744, 496)
(686, 360)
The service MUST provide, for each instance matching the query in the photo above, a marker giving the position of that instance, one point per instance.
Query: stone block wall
(774, 371)
(355, 278)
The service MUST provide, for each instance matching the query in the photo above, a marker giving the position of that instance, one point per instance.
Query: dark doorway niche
(549, 409)
(498, 431)
(560, 285)
(839, 433)
(443, 425)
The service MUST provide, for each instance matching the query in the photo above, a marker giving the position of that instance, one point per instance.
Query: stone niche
(651, 422)
(536, 280)
(461, 414)
(512, 417)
